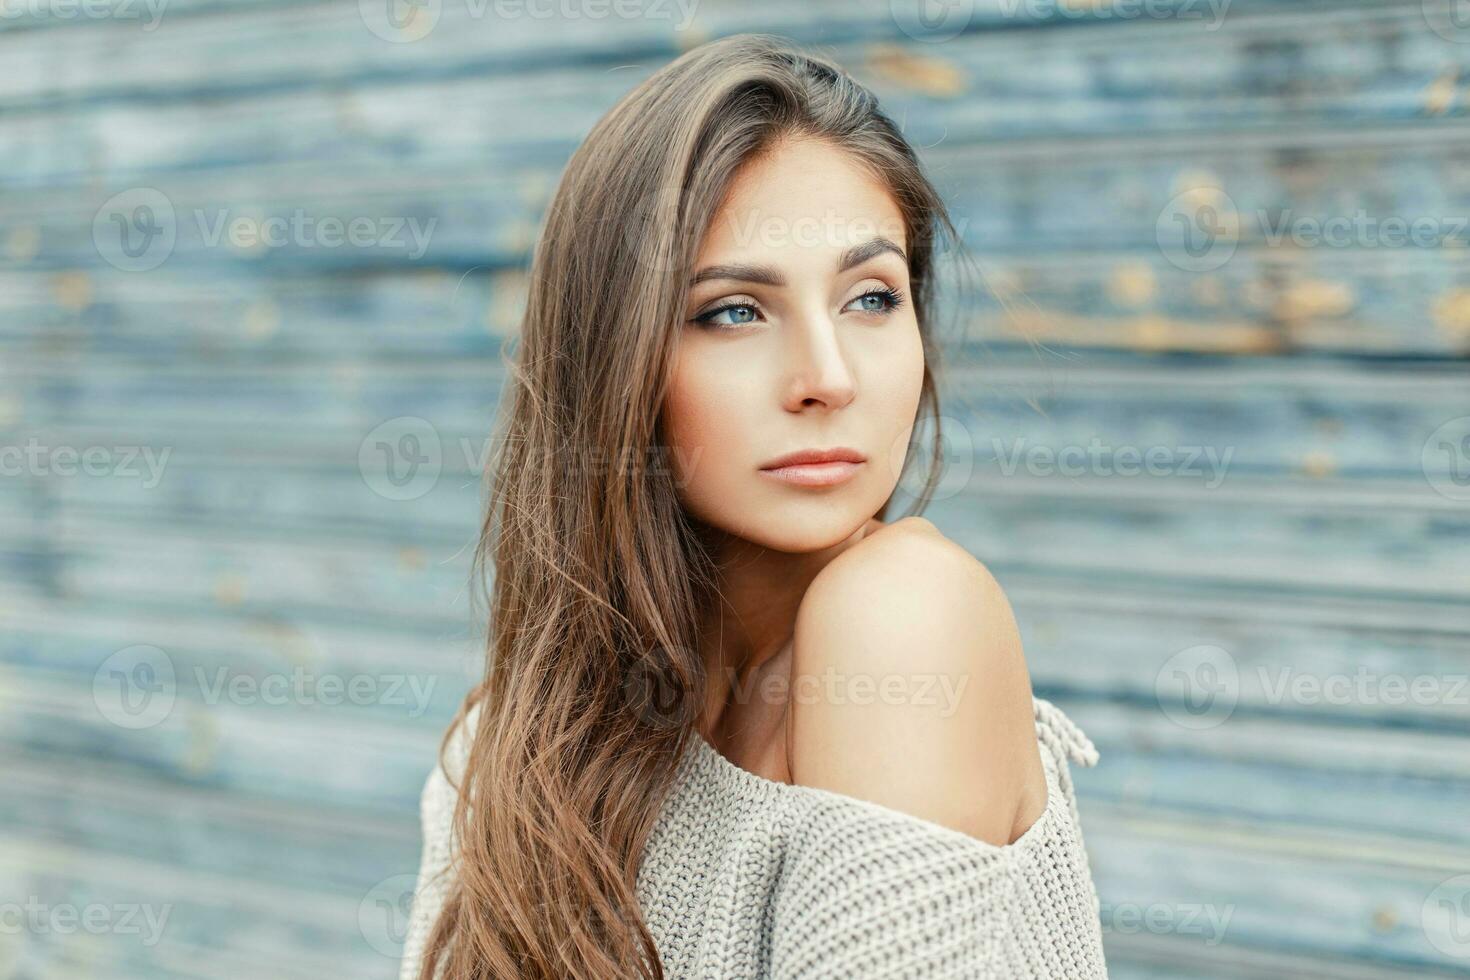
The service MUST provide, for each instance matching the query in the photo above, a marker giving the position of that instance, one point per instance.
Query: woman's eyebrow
(768, 276)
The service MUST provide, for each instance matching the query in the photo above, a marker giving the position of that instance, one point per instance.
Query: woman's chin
(805, 530)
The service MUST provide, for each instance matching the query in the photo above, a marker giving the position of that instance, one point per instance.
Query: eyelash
(894, 297)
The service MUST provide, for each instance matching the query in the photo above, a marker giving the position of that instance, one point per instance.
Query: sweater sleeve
(436, 813)
(875, 893)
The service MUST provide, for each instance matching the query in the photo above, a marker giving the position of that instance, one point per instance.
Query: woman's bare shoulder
(911, 688)
(907, 564)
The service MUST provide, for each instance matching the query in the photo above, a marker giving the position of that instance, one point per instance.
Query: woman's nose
(818, 369)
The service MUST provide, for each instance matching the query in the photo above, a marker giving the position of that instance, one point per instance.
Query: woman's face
(799, 334)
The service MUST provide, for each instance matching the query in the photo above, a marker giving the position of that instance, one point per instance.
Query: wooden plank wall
(1266, 631)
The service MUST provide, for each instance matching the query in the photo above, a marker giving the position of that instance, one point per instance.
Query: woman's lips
(826, 474)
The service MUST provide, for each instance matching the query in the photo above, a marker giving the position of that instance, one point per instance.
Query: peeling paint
(921, 73)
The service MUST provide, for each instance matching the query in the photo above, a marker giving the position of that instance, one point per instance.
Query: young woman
(734, 722)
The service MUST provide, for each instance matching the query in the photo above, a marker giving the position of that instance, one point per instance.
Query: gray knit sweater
(745, 877)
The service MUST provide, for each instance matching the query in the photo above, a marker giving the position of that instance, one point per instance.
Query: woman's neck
(752, 619)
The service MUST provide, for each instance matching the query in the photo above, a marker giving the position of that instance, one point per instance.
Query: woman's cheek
(705, 417)
(896, 381)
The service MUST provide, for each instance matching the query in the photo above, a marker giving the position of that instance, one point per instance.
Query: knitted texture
(746, 877)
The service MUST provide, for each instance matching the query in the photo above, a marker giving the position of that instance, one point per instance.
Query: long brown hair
(600, 578)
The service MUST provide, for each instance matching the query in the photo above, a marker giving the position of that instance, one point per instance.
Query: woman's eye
(729, 315)
(877, 301)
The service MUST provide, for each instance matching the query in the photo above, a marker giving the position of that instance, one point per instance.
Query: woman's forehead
(803, 195)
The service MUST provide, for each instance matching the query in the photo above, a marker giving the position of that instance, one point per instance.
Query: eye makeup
(747, 311)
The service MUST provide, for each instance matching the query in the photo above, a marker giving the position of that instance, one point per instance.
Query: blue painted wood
(1263, 303)
(1280, 416)
(271, 549)
(1315, 68)
(1113, 201)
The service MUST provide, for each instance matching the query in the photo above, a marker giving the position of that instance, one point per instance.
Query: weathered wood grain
(1300, 520)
